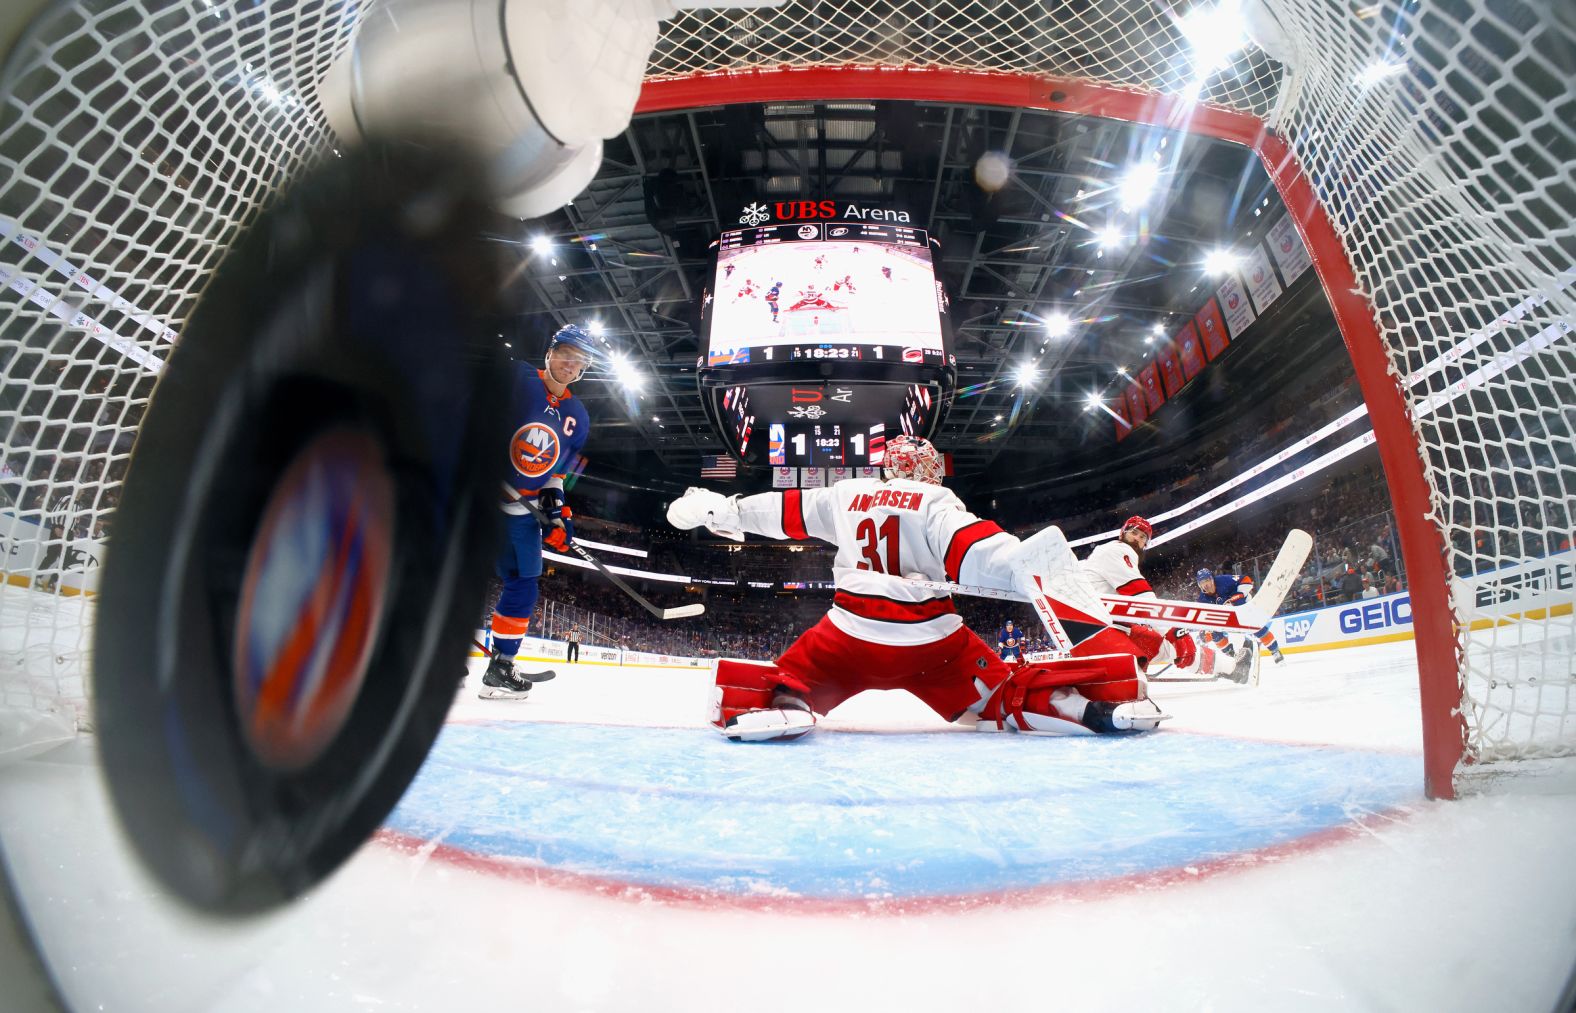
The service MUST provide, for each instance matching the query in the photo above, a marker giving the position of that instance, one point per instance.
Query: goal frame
(1422, 543)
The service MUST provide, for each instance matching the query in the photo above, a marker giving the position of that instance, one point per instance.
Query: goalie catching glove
(717, 513)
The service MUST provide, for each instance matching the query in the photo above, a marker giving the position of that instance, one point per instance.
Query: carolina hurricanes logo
(534, 450)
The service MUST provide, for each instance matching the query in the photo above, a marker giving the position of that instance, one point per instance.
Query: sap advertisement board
(1532, 589)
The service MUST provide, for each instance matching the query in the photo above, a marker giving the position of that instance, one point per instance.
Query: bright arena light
(541, 245)
(1381, 71)
(1138, 184)
(1027, 374)
(1058, 325)
(1111, 237)
(1219, 262)
(597, 328)
(624, 372)
(1215, 34)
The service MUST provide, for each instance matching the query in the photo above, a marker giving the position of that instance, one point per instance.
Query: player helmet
(912, 458)
(578, 337)
(1203, 575)
(1138, 522)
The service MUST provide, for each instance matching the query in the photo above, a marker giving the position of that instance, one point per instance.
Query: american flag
(718, 466)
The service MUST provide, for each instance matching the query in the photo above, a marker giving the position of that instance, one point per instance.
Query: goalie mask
(912, 458)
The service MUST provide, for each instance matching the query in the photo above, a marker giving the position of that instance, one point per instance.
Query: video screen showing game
(852, 291)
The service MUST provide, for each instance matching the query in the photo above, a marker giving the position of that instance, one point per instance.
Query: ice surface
(595, 847)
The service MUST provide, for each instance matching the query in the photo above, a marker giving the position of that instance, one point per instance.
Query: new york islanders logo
(534, 450)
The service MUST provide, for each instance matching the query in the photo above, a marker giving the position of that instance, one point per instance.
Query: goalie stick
(681, 612)
(1190, 615)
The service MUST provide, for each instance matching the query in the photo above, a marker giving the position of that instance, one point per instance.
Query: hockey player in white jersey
(1116, 567)
(884, 632)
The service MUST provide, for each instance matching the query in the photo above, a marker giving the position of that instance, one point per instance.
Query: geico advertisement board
(1533, 589)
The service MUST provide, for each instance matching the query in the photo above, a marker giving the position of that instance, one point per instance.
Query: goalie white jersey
(885, 530)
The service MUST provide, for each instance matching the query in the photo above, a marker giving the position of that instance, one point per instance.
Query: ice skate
(502, 682)
(1133, 716)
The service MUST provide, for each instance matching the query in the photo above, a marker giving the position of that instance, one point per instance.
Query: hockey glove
(1185, 646)
(702, 507)
(561, 530)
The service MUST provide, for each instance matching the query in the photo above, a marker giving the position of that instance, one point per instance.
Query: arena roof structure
(1096, 243)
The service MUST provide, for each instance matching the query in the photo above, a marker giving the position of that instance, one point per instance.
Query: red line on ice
(693, 897)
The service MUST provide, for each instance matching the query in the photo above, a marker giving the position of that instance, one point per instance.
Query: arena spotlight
(1111, 237)
(1215, 34)
(1219, 262)
(541, 245)
(1027, 374)
(625, 373)
(597, 327)
(1058, 325)
(1138, 184)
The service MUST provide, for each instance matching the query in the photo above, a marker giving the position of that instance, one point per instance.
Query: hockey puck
(304, 534)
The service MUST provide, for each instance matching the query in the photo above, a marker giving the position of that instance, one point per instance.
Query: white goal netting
(136, 138)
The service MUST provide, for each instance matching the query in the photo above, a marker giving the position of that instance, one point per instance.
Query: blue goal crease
(890, 815)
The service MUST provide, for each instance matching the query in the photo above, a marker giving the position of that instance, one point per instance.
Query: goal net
(1425, 151)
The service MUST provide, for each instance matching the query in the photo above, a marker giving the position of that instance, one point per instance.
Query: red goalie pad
(1148, 642)
(1110, 676)
(744, 686)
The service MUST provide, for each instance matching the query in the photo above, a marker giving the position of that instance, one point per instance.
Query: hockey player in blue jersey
(1232, 589)
(1010, 643)
(550, 429)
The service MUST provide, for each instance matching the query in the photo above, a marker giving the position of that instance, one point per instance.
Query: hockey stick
(681, 612)
(547, 676)
(1190, 615)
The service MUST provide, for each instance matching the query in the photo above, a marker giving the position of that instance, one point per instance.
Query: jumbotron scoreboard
(824, 333)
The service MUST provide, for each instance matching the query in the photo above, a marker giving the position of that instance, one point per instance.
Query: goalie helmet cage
(1426, 154)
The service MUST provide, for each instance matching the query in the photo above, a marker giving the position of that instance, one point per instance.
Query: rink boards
(1528, 590)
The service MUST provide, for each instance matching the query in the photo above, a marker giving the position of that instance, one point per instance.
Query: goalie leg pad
(1067, 696)
(754, 701)
(1149, 643)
